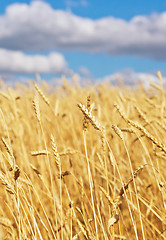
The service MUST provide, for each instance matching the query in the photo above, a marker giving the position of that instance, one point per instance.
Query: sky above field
(99, 39)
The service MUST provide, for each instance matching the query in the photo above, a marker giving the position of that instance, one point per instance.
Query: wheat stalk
(90, 117)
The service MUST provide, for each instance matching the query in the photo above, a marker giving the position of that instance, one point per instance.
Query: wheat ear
(90, 117)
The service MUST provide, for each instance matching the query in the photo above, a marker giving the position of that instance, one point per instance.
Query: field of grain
(82, 162)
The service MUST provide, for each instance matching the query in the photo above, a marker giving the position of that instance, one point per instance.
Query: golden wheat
(60, 179)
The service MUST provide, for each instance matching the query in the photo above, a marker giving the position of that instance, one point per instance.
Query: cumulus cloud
(19, 62)
(131, 78)
(85, 72)
(39, 27)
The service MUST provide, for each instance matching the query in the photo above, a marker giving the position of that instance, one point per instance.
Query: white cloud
(38, 26)
(84, 72)
(129, 77)
(19, 62)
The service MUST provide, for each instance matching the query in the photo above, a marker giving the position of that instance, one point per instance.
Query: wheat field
(82, 162)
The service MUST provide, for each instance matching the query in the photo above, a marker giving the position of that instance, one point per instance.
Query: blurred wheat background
(82, 162)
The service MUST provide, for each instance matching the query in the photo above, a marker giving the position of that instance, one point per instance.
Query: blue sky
(97, 9)
(94, 38)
